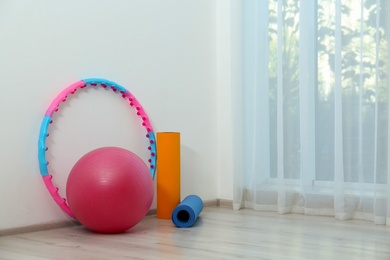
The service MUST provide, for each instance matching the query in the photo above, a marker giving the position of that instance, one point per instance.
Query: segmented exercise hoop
(47, 120)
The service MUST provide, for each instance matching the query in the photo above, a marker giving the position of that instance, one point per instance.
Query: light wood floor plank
(219, 233)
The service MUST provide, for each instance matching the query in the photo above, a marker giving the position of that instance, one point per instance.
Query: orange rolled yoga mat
(168, 173)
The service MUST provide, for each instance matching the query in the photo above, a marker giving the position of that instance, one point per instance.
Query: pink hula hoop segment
(47, 120)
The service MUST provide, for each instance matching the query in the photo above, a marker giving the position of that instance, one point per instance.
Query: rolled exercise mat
(186, 213)
(168, 173)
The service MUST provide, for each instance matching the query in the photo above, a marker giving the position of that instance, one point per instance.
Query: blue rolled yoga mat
(186, 213)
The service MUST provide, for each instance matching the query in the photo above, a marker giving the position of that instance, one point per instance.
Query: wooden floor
(219, 233)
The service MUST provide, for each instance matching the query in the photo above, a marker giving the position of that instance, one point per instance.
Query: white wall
(225, 99)
(164, 52)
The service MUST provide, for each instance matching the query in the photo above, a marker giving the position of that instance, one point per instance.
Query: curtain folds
(311, 100)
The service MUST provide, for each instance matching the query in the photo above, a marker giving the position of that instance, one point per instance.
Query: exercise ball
(109, 190)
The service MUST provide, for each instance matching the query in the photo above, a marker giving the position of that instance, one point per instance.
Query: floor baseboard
(225, 203)
(69, 223)
(210, 203)
(38, 227)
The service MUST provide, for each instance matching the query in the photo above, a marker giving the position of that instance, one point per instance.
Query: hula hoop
(47, 120)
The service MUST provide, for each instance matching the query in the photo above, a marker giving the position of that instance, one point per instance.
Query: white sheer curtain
(311, 101)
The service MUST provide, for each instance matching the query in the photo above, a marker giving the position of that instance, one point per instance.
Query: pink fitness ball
(109, 190)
